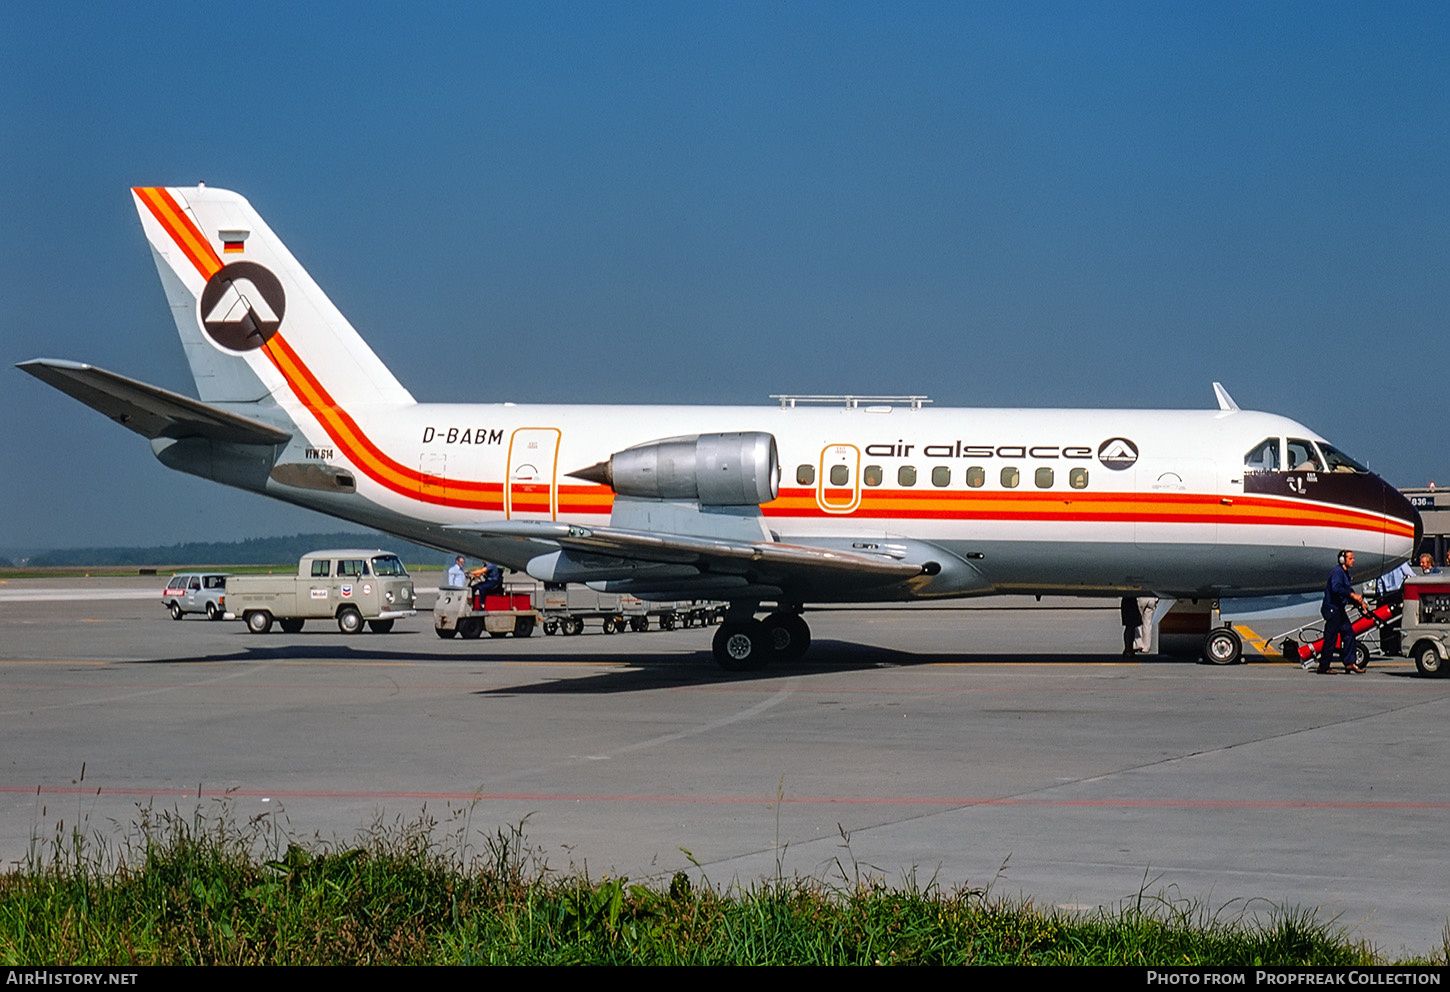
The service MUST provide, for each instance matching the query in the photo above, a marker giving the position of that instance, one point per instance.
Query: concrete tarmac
(973, 745)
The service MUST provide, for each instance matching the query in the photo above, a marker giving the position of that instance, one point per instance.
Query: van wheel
(349, 620)
(212, 613)
(380, 626)
(259, 621)
(176, 613)
(1428, 660)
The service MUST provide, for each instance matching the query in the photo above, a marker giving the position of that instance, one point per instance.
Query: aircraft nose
(1398, 507)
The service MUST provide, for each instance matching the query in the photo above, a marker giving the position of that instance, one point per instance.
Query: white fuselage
(1170, 514)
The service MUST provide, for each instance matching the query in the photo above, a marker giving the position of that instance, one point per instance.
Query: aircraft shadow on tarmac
(663, 671)
(825, 656)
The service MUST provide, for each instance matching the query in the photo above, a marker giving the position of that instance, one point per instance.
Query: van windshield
(388, 565)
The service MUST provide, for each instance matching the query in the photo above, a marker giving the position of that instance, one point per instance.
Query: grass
(203, 889)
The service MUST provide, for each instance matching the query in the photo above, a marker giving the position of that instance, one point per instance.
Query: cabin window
(1264, 457)
(1043, 478)
(1077, 478)
(195, 585)
(321, 568)
(976, 476)
(215, 581)
(805, 475)
(840, 475)
(941, 476)
(906, 475)
(1010, 477)
(351, 568)
(1302, 456)
(1338, 461)
(872, 475)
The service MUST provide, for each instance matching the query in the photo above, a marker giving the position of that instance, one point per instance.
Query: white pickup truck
(350, 586)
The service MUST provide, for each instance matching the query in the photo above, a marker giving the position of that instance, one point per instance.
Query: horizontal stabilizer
(148, 410)
(707, 553)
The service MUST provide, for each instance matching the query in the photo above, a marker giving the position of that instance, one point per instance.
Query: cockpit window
(1264, 457)
(1338, 461)
(1302, 456)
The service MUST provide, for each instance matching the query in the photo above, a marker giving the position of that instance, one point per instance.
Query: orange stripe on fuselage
(366, 455)
(1090, 507)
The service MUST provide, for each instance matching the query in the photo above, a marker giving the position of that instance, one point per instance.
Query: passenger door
(532, 489)
(838, 485)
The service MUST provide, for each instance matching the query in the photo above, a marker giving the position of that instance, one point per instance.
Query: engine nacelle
(712, 469)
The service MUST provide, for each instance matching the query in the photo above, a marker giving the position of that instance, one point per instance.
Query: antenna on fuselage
(1225, 401)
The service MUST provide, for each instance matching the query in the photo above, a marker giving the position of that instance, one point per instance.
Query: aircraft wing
(762, 561)
(149, 410)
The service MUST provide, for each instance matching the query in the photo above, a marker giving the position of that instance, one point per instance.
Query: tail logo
(242, 306)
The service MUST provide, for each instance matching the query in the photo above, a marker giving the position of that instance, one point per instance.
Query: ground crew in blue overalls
(1338, 591)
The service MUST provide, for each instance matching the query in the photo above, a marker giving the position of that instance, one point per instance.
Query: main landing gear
(744, 644)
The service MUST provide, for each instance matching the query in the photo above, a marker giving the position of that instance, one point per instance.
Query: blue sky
(1015, 204)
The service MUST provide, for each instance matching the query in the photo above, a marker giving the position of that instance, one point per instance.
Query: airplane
(809, 500)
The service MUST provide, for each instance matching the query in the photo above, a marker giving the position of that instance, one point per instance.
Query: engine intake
(740, 469)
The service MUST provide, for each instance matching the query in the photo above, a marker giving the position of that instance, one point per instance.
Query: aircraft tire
(258, 621)
(742, 646)
(349, 620)
(176, 612)
(1223, 646)
(292, 625)
(380, 626)
(1428, 660)
(790, 635)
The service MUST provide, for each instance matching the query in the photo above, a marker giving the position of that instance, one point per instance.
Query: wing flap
(150, 410)
(706, 553)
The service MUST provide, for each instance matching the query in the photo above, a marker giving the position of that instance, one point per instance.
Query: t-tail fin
(251, 319)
